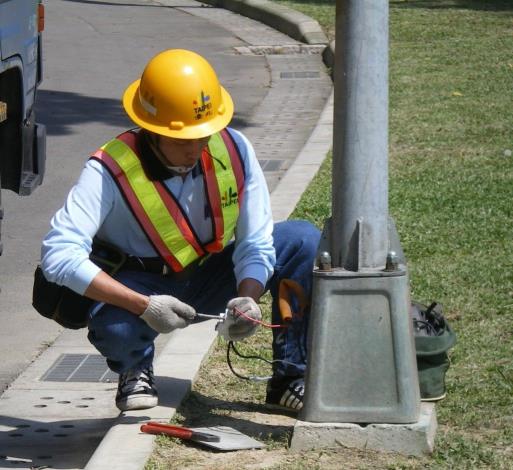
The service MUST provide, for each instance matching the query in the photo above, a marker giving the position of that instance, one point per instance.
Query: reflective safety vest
(157, 210)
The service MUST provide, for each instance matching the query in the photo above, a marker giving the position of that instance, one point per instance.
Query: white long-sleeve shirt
(95, 206)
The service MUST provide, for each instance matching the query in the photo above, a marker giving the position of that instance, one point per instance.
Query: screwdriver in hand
(221, 316)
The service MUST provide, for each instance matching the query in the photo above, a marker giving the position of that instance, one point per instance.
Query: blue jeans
(127, 341)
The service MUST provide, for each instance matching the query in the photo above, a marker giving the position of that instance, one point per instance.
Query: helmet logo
(202, 107)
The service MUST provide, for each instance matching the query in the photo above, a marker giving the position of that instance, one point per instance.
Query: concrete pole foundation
(414, 439)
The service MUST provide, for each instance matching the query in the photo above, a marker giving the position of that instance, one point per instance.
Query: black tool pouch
(433, 339)
(65, 306)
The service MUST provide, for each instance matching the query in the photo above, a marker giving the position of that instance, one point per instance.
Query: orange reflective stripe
(129, 138)
(137, 209)
(227, 188)
(159, 215)
(214, 198)
(169, 201)
(236, 161)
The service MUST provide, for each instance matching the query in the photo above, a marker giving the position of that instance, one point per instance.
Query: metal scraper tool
(229, 439)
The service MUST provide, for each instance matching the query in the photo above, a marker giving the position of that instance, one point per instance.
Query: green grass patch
(451, 187)
(451, 193)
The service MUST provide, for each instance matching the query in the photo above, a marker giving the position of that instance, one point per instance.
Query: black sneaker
(136, 389)
(285, 393)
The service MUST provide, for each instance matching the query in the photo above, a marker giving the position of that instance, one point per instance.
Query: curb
(180, 360)
(290, 22)
(287, 193)
(328, 56)
(283, 201)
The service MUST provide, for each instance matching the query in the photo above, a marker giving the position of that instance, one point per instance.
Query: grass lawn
(451, 193)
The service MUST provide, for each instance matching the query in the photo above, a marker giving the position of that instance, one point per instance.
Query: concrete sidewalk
(60, 412)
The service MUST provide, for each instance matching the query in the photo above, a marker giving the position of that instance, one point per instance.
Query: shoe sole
(441, 397)
(137, 403)
(273, 406)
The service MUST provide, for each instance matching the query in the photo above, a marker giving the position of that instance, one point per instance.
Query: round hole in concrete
(44, 457)
(60, 435)
(82, 406)
(66, 426)
(64, 402)
(42, 430)
(39, 406)
(23, 426)
(15, 434)
(46, 398)
(88, 398)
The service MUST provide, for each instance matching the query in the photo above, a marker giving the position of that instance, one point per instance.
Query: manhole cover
(300, 75)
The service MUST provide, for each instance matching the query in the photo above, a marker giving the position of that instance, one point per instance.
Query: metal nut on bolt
(325, 261)
(392, 263)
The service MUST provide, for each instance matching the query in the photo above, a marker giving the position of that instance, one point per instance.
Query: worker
(184, 198)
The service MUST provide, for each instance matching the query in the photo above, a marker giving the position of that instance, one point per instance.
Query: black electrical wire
(236, 351)
(255, 378)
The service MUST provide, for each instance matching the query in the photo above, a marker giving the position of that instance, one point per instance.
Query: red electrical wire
(259, 322)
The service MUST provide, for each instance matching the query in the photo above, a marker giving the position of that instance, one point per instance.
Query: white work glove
(235, 327)
(166, 313)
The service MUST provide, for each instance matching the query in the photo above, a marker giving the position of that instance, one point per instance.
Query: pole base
(415, 439)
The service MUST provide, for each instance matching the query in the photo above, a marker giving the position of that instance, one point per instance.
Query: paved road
(92, 50)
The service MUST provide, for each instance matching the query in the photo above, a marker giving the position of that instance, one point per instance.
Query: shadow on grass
(484, 5)
(204, 411)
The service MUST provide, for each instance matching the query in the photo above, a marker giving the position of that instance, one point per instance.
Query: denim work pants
(127, 341)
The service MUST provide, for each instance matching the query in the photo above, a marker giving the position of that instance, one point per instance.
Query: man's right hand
(166, 313)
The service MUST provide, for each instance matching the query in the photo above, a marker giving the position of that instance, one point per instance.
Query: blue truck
(22, 140)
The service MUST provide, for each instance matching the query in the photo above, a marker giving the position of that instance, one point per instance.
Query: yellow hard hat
(179, 96)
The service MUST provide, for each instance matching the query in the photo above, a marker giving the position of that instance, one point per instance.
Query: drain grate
(270, 165)
(283, 49)
(300, 75)
(80, 368)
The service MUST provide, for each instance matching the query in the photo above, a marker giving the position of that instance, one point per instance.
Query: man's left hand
(239, 326)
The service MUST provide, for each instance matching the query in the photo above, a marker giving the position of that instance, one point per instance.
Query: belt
(157, 266)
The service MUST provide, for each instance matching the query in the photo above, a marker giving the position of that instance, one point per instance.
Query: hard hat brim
(141, 117)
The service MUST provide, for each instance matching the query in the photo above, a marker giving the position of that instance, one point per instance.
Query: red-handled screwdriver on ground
(153, 427)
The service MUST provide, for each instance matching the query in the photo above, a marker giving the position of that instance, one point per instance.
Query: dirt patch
(274, 430)
(220, 399)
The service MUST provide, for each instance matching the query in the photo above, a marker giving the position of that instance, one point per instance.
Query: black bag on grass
(65, 306)
(433, 339)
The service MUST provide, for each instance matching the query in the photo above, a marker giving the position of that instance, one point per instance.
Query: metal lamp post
(361, 363)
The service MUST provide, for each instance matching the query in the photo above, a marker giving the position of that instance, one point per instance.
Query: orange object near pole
(286, 290)
(40, 17)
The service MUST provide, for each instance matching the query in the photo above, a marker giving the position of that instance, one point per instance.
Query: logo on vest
(229, 197)
(202, 106)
